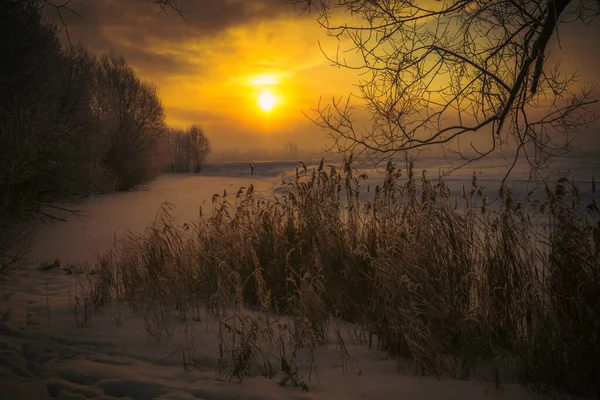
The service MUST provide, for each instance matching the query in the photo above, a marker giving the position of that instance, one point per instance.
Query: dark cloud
(141, 22)
(153, 65)
(136, 28)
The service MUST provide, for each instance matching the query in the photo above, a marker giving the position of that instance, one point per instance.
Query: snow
(106, 218)
(52, 347)
(44, 354)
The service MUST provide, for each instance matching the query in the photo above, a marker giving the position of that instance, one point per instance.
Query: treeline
(186, 149)
(71, 124)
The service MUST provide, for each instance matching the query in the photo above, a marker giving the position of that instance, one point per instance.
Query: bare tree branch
(435, 72)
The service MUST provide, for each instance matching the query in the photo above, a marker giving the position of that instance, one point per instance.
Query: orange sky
(211, 67)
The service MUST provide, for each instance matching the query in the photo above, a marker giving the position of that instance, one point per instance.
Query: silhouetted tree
(437, 71)
(186, 149)
(69, 124)
(132, 116)
(200, 147)
(45, 122)
(45, 117)
(291, 150)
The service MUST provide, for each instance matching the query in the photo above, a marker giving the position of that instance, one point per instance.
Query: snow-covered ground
(46, 354)
(106, 218)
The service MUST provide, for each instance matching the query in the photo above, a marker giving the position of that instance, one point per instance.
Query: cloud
(204, 65)
(140, 22)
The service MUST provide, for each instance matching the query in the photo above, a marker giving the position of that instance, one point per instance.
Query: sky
(212, 65)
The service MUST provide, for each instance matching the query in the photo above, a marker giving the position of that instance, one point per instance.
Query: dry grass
(15, 238)
(452, 284)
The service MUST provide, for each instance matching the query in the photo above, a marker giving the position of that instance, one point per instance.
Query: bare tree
(291, 150)
(133, 120)
(200, 147)
(45, 120)
(186, 149)
(45, 125)
(436, 72)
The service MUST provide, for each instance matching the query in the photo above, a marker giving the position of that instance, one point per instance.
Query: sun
(266, 101)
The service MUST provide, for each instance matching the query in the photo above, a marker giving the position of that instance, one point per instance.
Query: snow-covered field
(45, 353)
(106, 218)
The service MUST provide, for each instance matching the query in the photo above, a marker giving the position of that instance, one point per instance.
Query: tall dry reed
(452, 283)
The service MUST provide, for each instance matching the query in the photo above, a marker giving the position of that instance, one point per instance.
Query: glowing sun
(266, 101)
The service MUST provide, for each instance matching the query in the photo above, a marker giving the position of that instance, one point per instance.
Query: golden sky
(212, 66)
